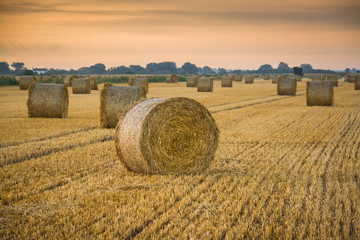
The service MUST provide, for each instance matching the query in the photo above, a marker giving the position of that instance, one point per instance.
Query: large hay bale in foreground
(205, 85)
(81, 86)
(173, 78)
(357, 83)
(48, 100)
(93, 83)
(69, 80)
(140, 82)
(334, 79)
(114, 100)
(25, 82)
(286, 86)
(192, 81)
(319, 93)
(162, 136)
(249, 79)
(226, 81)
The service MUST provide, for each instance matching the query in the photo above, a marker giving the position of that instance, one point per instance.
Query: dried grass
(286, 86)
(226, 81)
(319, 93)
(114, 100)
(167, 136)
(81, 86)
(25, 82)
(192, 81)
(48, 100)
(249, 79)
(205, 84)
(173, 78)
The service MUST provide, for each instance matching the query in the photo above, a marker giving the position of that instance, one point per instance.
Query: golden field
(282, 170)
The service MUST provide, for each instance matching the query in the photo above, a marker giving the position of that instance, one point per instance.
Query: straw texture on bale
(81, 86)
(334, 79)
(319, 93)
(93, 83)
(357, 83)
(286, 86)
(114, 100)
(249, 79)
(25, 82)
(140, 82)
(226, 82)
(48, 100)
(173, 78)
(205, 85)
(167, 136)
(192, 81)
(69, 80)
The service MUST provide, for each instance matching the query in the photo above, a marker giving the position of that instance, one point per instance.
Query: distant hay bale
(25, 82)
(226, 82)
(357, 83)
(48, 100)
(275, 79)
(192, 81)
(318, 77)
(140, 82)
(205, 85)
(249, 79)
(286, 86)
(298, 78)
(267, 77)
(114, 100)
(81, 86)
(237, 78)
(167, 136)
(319, 93)
(93, 83)
(69, 80)
(351, 78)
(173, 78)
(334, 79)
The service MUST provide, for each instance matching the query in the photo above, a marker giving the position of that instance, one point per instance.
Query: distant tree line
(18, 68)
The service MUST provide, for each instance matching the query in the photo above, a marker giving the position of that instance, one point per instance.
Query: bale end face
(48, 100)
(167, 136)
(226, 82)
(81, 86)
(205, 85)
(286, 86)
(319, 93)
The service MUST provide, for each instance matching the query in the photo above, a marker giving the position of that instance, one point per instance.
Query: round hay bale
(25, 82)
(114, 100)
(48, 100)
(286, 86)
(162, 136)
(140, 82)
(93, 83)
(318, 77)
(319, 93)
(357, 83)
(81, 86)
(237, 78)
(192, 81)
(205, 85)
(334, 79)
(275, 79)
(249, 79)
(267, 77)
(226, 82)
(298, 78)
(69, 80)
(173, 78)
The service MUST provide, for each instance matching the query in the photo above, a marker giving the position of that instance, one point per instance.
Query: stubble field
(282, 170)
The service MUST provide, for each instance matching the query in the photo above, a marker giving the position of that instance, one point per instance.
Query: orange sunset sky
(233, 34)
